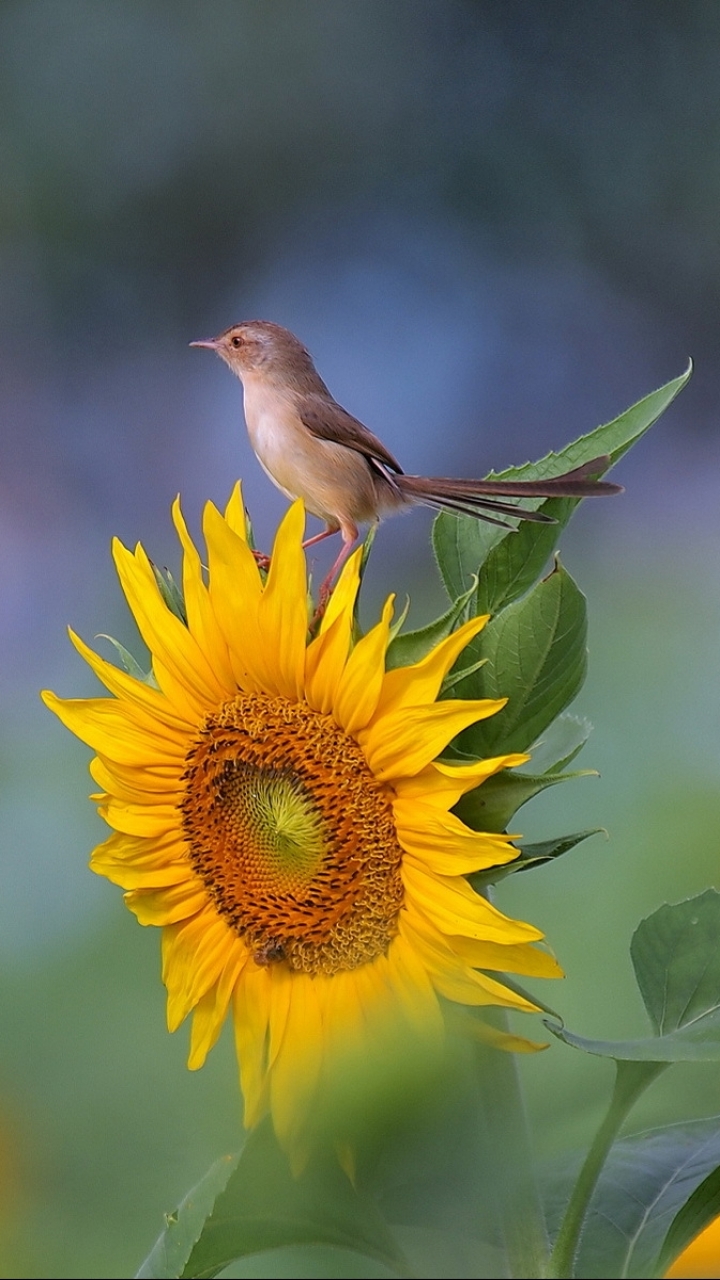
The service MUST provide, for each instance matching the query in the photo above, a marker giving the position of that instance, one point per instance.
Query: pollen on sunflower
(278, 808)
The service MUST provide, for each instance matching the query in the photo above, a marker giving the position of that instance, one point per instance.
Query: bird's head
(259, 346)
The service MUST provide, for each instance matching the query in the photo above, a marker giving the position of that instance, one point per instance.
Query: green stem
(520, 1214)
(631, 1080)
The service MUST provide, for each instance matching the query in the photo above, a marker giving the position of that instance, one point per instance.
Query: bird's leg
(263, 561)
(327, 532)
(349, 538)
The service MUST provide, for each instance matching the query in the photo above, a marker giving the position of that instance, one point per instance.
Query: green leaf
(411, 647)
(170, 592)
(697, 1213)
(310, 1262)
(562, 741)
(643, 1187)
(700, 1043)
(171, 1251)
(532, 855)
(131, 665)
(536, 658)
(518, 558)
(454, 679)
(675, 955)
(490, 806)
(264, 1207)
(677, 962)
(463, 544)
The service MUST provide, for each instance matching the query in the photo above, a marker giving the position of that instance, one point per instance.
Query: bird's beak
(210, 343)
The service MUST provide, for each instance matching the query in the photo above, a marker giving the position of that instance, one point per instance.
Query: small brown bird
(313, 449)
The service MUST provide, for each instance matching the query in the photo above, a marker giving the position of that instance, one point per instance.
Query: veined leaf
(265, 1207)
(536, 658)
(677, 963)
(647, 1181)
(675, 954)
(184, 1226)
(702, 1208)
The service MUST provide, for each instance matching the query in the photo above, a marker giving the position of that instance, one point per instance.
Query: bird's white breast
(273, 428)
(334, 481)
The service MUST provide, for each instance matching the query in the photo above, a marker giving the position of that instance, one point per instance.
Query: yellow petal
(361, 681)
(139, 819)
(441, 842)
(235, 512)
(478, 1029)
(326, 655)
(210, 1011)
(526, 958)
(202, 623)
(442, 784)
(235, 592)
(455, 908)
(344, 593)
(325, 659)
(149, 704)
(182, 669)
(413, 989)
(149, 786)
(404, 742)
(195, 952)
(420, 683)
(282, 615)
(457, 981)
(113, 729)
(280, 999)
(134, 862)
(296, 1071)
(170, 905)
(251, 1014)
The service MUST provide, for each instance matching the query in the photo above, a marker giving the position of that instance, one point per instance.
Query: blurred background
(495, 226)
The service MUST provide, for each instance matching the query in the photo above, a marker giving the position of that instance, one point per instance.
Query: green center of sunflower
(292, 835)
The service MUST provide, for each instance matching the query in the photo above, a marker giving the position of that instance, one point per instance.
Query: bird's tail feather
(478, 497)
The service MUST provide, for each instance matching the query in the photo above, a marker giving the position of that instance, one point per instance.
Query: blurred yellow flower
(279, 809)
(701, 1259)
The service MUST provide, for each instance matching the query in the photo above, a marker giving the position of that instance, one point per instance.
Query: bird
(312, 448)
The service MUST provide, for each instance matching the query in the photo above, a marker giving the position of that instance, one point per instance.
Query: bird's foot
(323, 600)
(262, 561)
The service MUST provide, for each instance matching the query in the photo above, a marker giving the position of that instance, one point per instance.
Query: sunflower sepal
(533, 855)
(491, 806)
(560, 744)
(129, 662)
(170, 592)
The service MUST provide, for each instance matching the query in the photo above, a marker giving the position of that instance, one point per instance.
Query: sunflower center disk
(292, 835)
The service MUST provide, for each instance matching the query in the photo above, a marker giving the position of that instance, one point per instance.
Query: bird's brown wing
(327, 420)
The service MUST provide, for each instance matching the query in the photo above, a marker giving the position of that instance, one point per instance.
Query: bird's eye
(236, 341)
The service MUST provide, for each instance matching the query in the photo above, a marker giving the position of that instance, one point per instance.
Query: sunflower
(279, 809)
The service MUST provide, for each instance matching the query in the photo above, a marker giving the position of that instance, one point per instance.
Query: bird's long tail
(480, 497)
